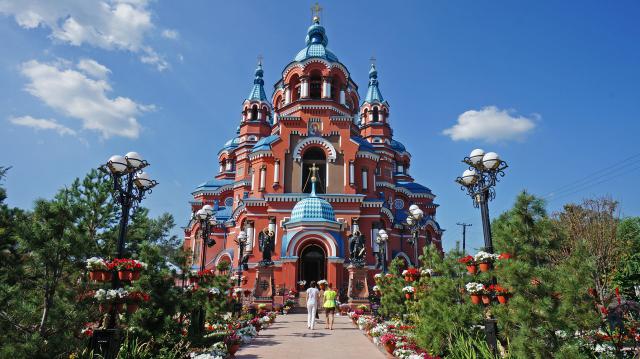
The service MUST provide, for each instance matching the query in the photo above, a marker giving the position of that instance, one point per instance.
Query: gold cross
(314, 170)
(315, 11)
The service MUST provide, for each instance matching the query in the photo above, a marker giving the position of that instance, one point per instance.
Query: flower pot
(486, 299)
(135, 275)
(125, 275)
(389, 347)
(107, 276)
(95, 275)
(132, 307)
(472, 269)
(485, 267)
(104, 307)
(233, 349)
(503, 299)
(409, 278)
(475, 298)
(407, 295)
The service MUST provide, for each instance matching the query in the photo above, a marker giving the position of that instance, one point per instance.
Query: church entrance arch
(312, 265)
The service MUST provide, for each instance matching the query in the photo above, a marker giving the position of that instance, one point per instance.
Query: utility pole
(464, 235)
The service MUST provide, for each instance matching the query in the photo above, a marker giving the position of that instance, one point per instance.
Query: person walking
(313, 295)
(329, 306)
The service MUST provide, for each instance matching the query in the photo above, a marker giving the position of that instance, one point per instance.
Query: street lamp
(415, 222)
(208, 221)
(130, 185)
(381, 240)
(479, 180)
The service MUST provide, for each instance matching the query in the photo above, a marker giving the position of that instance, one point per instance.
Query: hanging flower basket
(106, 276)
(475, 299)
(95, 275)
(410, 274)
(472, 269)
(408, 291)
(485, 267)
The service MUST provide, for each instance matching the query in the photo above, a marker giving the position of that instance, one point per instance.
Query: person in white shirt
(313, 295)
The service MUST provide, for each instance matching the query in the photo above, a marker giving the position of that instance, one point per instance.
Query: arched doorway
(312, 264)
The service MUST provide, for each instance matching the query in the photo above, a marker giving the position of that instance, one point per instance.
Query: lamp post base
(106, 342)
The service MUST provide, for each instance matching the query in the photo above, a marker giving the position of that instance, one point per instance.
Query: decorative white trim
(403, 255)
(331, 151)
(303, 236)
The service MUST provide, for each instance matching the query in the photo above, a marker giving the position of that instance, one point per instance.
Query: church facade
(315, 122)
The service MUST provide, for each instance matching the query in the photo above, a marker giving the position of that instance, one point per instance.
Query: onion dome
(373, 92)
(316, 41)
(398, 146)
(312, 208)
(257, 91)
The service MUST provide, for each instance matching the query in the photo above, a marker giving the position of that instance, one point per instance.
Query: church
(313, 164)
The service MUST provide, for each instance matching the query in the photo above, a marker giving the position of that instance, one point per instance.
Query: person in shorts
(329, 306)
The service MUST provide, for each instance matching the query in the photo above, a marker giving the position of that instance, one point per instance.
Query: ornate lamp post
(130, 186)
(208, 221)
(479, 180)
(381, 240)
(415, 223)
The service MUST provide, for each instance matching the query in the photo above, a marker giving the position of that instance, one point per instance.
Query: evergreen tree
(392, 300)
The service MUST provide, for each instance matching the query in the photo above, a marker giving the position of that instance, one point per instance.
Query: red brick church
(315, 117)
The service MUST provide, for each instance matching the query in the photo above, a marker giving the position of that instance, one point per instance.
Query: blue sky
(82, 80)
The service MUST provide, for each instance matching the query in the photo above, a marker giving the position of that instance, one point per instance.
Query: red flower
(466, 260)
(504, 256)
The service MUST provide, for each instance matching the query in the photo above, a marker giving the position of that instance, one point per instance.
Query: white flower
(377, 275)
(474, 287)
(95, 263)
(214, 290)
(483, 257)
(238, 290)
(101, 295)
(405, 272)
(376, 288)
(427, 271)
(408, 289)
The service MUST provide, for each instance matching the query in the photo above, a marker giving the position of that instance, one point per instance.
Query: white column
(221, 167)
(276, 172)
(351, 173)
(287, 95)
(400, 168)
(263, 178)
(326, 88)
(381, 116)
(253, 179)
(374, 245)
(343, 100)
(365, 180)
(304, 88)
(259, 114)
(228, 166)
(250, 234)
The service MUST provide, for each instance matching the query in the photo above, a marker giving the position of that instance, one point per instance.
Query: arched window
(254, 113)
(315, 85)
(375, 114)
(314, 156)
(365, 119)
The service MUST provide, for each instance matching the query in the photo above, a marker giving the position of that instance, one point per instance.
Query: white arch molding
(405, 256)
(310, 141)
(301, 237)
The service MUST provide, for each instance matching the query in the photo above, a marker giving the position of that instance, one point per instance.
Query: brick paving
(289, 338)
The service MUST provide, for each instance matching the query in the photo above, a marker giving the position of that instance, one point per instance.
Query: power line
(593, 184)
(464, 235)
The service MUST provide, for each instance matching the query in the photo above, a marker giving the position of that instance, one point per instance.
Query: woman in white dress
(313, 295)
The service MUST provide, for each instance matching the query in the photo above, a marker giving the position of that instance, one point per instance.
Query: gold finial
(314, 171)
(316, 11)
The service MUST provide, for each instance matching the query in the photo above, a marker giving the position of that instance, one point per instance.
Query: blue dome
(396, 145)
(316, 41)
(312, 209)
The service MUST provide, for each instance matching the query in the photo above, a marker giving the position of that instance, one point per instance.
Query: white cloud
(107, 24)
(491, 124)
(72, 93)
(42, 124)
(170, 34)
(152, 58)
(93, 68)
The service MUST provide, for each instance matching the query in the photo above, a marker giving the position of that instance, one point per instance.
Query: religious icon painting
(315, 127)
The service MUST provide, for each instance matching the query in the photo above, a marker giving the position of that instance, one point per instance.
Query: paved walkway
(289, 338)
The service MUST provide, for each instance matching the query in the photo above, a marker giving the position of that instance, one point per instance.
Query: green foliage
(392, 302)
(549, 296)
(462, 345)
(440, 308)
(628, 272)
